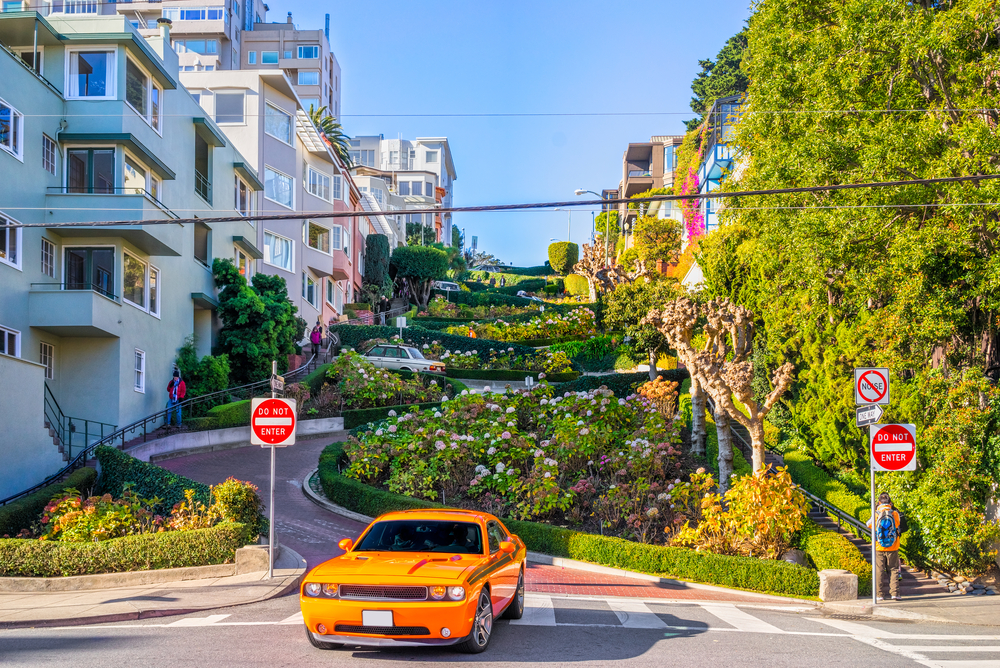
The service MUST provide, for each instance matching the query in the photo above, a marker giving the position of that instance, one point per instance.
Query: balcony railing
(107, 190)
(77, 285)
(638, 172)
(203, 186)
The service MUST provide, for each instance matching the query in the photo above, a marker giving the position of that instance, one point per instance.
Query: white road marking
(198, 621)
(853, 628)
(635, 614)
(294, 619)
(538, 611)
(742, 621)
(948, 648)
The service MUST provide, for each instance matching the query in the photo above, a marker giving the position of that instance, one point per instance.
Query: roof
(429, 513)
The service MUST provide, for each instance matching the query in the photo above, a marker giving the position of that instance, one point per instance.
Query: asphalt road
(573, 631)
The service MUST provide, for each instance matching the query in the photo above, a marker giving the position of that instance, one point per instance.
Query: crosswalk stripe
(198, 621)
(294, 619)
(538, 611)
(950, 648)
(853, 628)
(740, 620)
(635, 614)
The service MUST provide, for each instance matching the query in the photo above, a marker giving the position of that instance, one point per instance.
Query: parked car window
(415, 354)
(495, 535)
(392, 352)
(377, 351)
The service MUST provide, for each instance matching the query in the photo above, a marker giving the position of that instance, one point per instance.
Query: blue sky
(451, 56)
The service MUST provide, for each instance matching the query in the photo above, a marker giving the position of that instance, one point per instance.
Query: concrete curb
(324, 503)
(883, 611)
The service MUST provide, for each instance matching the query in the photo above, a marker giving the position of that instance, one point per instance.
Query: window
(308, 78)
(429, 189)
(278, 187)
(32, 60)
(431, 156)
(48, 258)
(135, 177)
(337, 185)
(73, 6)
(10, 342)
(202, 168)
(318, 237)
(154, 291)
(308, 52)
(277, 251)
(48, 154)
(153, 189)
(236, 58)
(269, 57)
(336, 235)
(202, 242)
(92, 74)
(404, 187)
(287, 55)
(10, 243)
(90, 170)
(195, 13)
(338, 298)
(244, 198)
(308, 288)
(196, 94)
(204, 47)
(668, 158)
(252, 58)
(15, 6)
(244, 264)
(90, 269)
(136, 87)
(134, 281)
(46, 357)
(140, 371)
(229, 107)
(329, 291)
(11, 130)
(377, 194)
(277, 123)
(310, 103)
(318, 184)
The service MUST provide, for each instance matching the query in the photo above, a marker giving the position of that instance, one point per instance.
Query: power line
(517, 207)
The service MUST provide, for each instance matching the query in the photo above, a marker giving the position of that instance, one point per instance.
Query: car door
(501, 587)
(375, 356)
(403, 359)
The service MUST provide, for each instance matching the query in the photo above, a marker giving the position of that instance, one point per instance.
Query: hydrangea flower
(437, 414)
(379, 432)
(392, 413)
(505, 435)
(491, 451)
(510, 409)
(500, 467)
(548, 475)
(392, 428)
(439, 445)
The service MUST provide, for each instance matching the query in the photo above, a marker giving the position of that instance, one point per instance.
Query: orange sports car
(417, 578)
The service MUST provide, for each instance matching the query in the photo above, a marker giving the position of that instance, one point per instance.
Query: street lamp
(607, 221)
(569, 222)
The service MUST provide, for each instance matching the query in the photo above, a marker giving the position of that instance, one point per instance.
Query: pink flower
(505, 435)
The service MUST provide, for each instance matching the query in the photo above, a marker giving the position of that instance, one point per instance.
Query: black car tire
(482, 626)
(515, 610)
(319, 644)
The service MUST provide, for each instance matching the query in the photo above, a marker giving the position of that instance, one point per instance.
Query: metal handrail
(65, 426)
(78, 286)
(83, 455)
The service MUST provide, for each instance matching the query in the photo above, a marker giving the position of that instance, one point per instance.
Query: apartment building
(647, 166)
(95, 127)
(718, 160)
(379, 198)
(421, 171)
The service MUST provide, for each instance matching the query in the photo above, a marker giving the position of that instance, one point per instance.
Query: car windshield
(415, 354)
(423, 536)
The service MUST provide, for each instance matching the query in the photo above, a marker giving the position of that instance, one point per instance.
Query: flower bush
(442, 308)
(361, 384)
(550, 325)
(662, 394)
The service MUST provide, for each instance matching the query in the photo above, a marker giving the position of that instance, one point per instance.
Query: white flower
(486, 388)
(464, 392)
(590, 463)
(677, 482)
(539, 453)
(392, 428)
(378, 433)
(426, 347)
(589, 413)
(486, 435)
(437, 414)
(662, 496)
(491, 451)
(500, 467)
(584, 431)
(621, 402)
(510, 424)
(440, 445)
(392, 413)
(548, 475)
(510, 409)
(544, 402)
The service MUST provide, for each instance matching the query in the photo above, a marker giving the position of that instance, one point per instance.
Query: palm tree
(333, 132)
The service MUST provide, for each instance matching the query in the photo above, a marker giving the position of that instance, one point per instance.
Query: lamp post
(607, 221)
(569, 221)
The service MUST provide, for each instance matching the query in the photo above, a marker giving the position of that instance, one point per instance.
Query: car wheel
(482, 626)
(319, 644)
(516, 608)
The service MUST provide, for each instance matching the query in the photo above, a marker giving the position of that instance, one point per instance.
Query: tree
(418, 234)
(377, 260)
(657, 239)
(201, 376)
(718, 78)
(332, 131)
(482, 259)
(563, 255)
(420, 266)
(607, 222)
(457, 237)
(628, 305)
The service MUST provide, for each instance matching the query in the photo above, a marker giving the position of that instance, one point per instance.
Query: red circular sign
(273, 422)
(872, 386)
(893, 447)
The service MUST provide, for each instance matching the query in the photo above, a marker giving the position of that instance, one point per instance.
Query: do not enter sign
(272, 422)
(893, 447)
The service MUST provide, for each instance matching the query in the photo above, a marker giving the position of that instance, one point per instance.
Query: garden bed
(19, 514)
(622, 384)
(510, 374)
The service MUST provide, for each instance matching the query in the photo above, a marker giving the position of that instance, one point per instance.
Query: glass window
(91, 74)
(431, 156)
(135, 177)
(244, 264)
(429, 189)
(90, 170)
(319, 237)
(404, 187)
(154, 106)
(308, 288)
(48, 258)
(136, 87)
(269, 57)
(11, 129)
(252, 58)
(90, 269)
(668, 158)
(278, 187)
(308, 78)
(46, 357)
(308, 52)
(318, 183)
(443, 536)
(277, 123)
(278, 251)
(10, 342)
(337, 186)
(134, 281)
(287, 55)
(202, 242)
(244, 197)
(336, 234)
(10, 242)
(154, 290)
(229, 107)
(199, 46)
(202, 173)
(140, 371)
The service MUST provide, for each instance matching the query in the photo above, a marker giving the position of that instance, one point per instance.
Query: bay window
(90, 269)
(318, 183)
(142, 93)
(278, 251)
(278, 187)
(277, 123)
(91, 74)
(317, 237)
(90, 170)
(244, 198)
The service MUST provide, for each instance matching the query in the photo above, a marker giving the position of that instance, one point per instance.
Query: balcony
(336, 266)
(69, 204)
(88, 311)
(203, 187)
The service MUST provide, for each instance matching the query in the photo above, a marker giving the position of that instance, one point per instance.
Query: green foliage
(20, 514)
(563, 255)
(238, 501)
(598, 353)
(829, 549)
(150, 551)
(354, 335)
(512, 375)
(629, 303)
(577, 285)
(363, 385)
(817, 481)
(235, 414)
(418, 234)
(147, 480)
(420, 265)
(622, 384)
(608, 219)
(541, 270)
(316, 379)
(377, 260)
(718, 78)
(334, 133)
(258, 322)
(361, 416)
(204, 376)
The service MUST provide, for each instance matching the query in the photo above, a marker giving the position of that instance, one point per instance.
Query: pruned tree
(591, 267)
(420, 266)
(605, 277)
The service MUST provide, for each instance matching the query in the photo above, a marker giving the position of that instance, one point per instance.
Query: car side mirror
(346, 544)
(507, 547)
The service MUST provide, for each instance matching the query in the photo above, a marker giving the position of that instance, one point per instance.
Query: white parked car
(447, 286)
(402, 358)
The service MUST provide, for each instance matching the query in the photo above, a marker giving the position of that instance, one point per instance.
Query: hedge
(510, 374)
(510, 278)
(529, 285)
(541, 270)
(829, 549)
(20, 514)
(742, 572)
(563, 255)
(316, 379)
(355, 335)
(170, 549)
(577, 285)
(148, 480)
(622, 384)
(538, 343)
(362, 416)
(818, 482)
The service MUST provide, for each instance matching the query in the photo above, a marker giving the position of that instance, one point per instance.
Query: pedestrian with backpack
(886, 524)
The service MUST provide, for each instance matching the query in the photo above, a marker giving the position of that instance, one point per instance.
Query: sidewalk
(938, 607)
(70, 608)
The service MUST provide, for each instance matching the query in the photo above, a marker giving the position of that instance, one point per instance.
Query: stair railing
(70, 430)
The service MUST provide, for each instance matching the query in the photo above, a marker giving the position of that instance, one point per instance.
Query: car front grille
(382, 593)
(383, 630)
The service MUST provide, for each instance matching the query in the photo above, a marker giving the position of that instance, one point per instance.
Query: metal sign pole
(270, 507)
(875, 580)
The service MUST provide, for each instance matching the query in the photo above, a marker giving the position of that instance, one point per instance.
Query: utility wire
(515, 207)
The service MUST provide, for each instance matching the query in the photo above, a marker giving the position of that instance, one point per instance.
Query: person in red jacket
(175, 394)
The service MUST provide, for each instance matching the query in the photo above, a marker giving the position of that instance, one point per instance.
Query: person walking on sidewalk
(886, 522)
(316, 337)
(175, 394)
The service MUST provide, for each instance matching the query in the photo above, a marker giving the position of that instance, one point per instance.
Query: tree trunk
(423, 295)
(652, 364)
(757, 442)
(697, 418)
(725, 449)
(593, 289)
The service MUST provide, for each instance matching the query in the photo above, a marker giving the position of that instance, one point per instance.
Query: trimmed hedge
(149, 480)
(171, 549)
(362, 416)
(19, 514)
(829, 549)
(577, 285)
(538, 343)
(355, 335)
(316, 379)
(233, 414)
(541, 270)
(817, 481)
(510, 374)
(742, 572)
(563, 255)
(622, 384)
(529, 285)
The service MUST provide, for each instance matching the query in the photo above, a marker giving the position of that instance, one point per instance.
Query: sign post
(272, 424)
(871, 392)
(892, 447)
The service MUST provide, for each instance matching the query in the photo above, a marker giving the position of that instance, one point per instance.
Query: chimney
(164, 25)
(289, 19)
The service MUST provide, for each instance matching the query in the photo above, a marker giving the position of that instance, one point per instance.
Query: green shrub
(171, 549)
(510, 375)
(148, 480)
(563, 255)
(20, 514)
(541, 270)
(376, 259)
(528, 285)
(235, 414)
(817, 481)
(239, 502)
(201, 424)
(316, 379)
(742, 572)
(355, 335)
(361, 416)
(829, 549)
(577, 285)
(622, 384)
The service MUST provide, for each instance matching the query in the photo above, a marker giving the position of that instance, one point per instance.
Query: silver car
(402, 358)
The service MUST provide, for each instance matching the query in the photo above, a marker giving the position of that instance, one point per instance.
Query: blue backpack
(885, 528)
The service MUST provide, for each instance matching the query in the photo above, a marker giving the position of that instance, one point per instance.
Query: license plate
(376, 618)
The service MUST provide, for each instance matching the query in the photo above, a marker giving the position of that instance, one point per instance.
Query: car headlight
(456, 593)
(313, 588)
(329, 590)
(437, 593)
